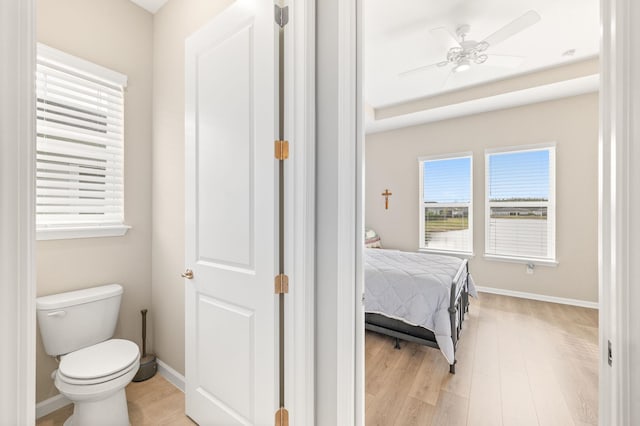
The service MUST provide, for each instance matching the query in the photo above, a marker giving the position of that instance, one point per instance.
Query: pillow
(371, 239)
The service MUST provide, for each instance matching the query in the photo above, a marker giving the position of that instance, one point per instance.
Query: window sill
(460, 254)
(536, 262)
(74, 232)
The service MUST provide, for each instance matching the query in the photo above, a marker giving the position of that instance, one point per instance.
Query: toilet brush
(148, 364)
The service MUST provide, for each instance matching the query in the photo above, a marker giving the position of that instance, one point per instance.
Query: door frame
(619, 91)
(17, 223)
(619, 200)
(300, 190)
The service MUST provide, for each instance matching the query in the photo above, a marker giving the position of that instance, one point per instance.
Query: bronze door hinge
(281, 284)
(282, 417)
(282, 150)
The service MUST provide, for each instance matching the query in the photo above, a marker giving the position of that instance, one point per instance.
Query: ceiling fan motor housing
(468, 51)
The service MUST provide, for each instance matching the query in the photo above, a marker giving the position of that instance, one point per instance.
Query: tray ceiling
(151, 5)
(398, 37)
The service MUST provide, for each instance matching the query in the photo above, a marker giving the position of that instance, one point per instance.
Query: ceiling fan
(467, 52)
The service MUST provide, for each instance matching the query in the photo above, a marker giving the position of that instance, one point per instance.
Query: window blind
(446, 210)
(521, 204)
(80, 142)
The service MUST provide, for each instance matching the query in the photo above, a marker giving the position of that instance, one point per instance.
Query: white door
(231, 374)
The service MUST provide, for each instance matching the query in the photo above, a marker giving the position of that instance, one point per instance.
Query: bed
(417, 297)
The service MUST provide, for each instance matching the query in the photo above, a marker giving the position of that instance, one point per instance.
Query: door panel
(232, 360)
(231, 374)
(225, 151)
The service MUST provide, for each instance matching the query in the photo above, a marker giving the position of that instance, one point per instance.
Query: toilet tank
(77, 319)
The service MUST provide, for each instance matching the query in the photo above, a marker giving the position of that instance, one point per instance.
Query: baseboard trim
(50, 405)
(172, 376)
(540, 297)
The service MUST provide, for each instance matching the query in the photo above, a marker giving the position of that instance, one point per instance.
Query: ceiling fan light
(462, 66)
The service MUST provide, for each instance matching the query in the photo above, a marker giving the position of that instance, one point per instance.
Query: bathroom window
(80, 147)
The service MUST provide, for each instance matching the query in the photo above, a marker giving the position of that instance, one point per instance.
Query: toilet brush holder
(148, 364)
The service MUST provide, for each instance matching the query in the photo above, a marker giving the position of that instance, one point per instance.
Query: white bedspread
(414, 288)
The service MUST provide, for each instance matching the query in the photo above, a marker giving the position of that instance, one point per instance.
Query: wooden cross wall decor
(386, 194)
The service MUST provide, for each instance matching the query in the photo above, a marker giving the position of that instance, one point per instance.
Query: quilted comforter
(414, 288)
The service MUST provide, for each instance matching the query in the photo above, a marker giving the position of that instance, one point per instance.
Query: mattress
(415, 288)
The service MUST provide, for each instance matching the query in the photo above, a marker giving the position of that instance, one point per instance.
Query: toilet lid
(99, 360)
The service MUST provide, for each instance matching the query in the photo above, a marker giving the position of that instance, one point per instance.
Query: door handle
(188, 274)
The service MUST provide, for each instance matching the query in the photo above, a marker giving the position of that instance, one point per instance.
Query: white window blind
(446, 204)
(80, 142)
(520, 204)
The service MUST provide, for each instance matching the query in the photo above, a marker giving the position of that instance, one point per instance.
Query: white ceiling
(151, 5)
(398, 38)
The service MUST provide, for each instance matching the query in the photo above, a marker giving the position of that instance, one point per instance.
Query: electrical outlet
(530, 267)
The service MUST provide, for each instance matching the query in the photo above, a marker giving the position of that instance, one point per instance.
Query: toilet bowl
(94, 379)
(94, 368)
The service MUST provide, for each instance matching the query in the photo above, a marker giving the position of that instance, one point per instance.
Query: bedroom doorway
(473, 124)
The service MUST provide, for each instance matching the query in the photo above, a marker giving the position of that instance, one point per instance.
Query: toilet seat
(99, 363)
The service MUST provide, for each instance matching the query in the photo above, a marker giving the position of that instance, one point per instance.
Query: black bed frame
(458, 307)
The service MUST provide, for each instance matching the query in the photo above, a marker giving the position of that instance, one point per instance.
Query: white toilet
(94, 369)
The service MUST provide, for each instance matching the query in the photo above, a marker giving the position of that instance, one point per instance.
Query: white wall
(172, 24)
(391, 162)
(118, 35)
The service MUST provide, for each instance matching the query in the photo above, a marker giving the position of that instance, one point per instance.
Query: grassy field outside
(532, 217)
(445, 224)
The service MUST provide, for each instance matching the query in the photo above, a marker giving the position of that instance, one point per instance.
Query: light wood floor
(520, 362)
(152, 402)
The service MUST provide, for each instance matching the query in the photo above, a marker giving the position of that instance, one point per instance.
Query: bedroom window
(80, 147)
(446, 204)
(520, 204)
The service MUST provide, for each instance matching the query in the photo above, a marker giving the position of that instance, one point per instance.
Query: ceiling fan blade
(519, 24)
(423, 68)
(445, 37)
(504, 61)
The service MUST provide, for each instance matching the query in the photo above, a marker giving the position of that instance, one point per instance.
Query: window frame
(97, 73)
(421, 213)
(550, 204)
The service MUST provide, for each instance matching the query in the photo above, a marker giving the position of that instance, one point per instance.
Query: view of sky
(512, 175)
(519, 175)
(448, 180)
